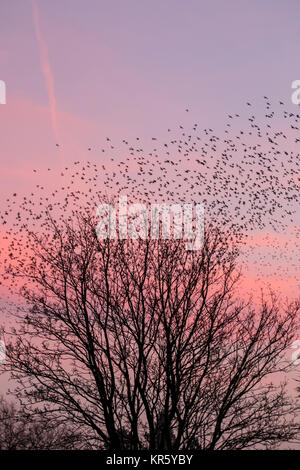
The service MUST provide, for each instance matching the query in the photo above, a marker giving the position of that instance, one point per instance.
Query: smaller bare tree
(22, 431)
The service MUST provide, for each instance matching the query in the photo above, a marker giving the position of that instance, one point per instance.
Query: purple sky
(79, 70)
(128, 67)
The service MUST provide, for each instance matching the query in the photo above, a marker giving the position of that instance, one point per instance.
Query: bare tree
(22, 431)
(142, 344)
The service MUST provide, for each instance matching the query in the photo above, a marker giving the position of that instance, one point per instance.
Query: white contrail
(46, 69)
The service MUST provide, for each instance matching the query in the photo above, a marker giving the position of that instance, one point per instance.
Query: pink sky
(78, 72)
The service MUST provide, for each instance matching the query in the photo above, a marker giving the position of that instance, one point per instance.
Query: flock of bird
(246, 176)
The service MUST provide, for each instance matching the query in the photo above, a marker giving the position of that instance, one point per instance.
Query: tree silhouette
(144, 345)
(22, 431)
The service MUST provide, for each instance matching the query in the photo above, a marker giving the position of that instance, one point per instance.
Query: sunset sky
(77, 71)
